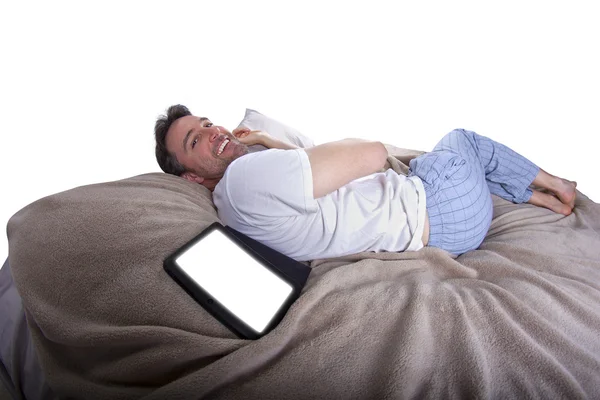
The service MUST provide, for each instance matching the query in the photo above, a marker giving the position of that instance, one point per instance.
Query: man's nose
(219, 130)
(216, 133)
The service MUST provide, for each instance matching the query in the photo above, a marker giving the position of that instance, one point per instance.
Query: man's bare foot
(565, 191)
(548, 201)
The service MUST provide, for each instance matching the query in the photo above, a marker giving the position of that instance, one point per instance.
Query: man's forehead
(184, 124)
(188, 120)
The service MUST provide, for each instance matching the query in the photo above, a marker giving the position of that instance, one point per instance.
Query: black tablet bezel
(210, 304)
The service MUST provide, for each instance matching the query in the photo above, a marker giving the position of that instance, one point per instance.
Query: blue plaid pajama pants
(459, 176)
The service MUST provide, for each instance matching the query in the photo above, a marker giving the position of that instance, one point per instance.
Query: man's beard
(239, 149)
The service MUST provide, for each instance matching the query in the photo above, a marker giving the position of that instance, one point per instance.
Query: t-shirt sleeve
(271, 183)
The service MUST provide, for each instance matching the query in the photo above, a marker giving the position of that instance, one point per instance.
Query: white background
(81, 84)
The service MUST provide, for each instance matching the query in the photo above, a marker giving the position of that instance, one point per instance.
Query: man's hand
(248, 137)
(242, 129)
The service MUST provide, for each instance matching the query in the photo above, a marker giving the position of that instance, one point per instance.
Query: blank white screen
(246, 288)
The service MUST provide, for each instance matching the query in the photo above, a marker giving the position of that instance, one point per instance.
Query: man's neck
(210, 184)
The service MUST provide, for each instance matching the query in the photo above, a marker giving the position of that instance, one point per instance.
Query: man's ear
(192, 177)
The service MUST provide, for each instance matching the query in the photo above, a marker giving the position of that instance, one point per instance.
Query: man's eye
(194, 143)
(209, 124)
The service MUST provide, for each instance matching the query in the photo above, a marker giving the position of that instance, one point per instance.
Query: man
(330, 200)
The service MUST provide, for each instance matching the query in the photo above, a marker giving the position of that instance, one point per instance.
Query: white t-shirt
(268, 195)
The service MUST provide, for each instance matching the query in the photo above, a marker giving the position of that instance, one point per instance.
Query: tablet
(236, 282)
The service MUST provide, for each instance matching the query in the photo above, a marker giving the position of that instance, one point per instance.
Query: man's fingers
(236, 132)
(249, 132)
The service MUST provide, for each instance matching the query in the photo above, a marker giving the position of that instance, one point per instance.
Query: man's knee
(463, 134)
(456, 140)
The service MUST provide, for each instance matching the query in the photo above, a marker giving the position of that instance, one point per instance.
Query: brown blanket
(519, 317)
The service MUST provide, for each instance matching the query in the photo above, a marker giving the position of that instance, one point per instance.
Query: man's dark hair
(167, 161)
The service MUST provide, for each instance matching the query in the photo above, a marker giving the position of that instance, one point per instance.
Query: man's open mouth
(222, 147)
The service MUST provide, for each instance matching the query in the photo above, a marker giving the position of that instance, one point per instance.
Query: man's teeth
(222, 147)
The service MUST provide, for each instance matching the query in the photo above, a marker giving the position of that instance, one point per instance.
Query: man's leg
(458, 200)
(508, 174)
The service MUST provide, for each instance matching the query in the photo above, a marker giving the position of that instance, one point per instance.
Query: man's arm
(336, 164)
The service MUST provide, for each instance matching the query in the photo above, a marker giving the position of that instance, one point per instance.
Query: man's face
(196, 143)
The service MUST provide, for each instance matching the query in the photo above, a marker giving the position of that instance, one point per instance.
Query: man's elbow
(383, 155)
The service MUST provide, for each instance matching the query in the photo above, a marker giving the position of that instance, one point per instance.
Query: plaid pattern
(458, 176)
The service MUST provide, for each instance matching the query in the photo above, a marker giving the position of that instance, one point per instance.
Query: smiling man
(202, 151)
(333, 199)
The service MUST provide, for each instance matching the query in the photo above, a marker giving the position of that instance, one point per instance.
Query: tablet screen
(249, 290)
